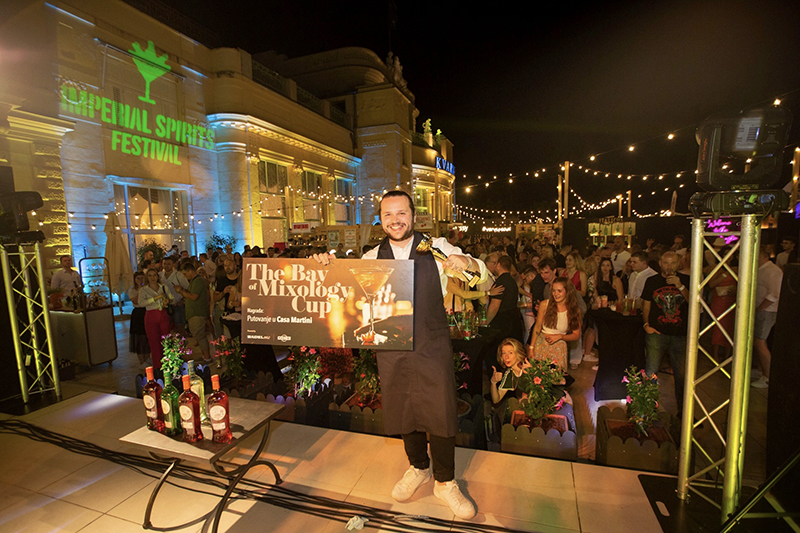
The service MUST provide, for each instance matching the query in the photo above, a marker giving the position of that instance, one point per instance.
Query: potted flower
(362, 410)
(228, 351)
(308, 399)
(641, 437)
(175, 351)
(542, 422)
(336, 364)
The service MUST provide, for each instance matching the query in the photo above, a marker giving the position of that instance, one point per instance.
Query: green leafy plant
(175, 350)
(231, 352)
(365, 367)
(218, 240)
(151, 66)
(642, 398)
(150, 245)
(538, 382)
(305, 370)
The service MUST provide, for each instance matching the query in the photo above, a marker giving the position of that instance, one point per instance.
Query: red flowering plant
(305, 370)
(460, 364)
(365, 367)
(539, 384)
(642, 399)
(335, 362)
(230, 351)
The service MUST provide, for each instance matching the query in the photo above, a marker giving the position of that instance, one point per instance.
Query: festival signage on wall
(349, 303)
(137, 130)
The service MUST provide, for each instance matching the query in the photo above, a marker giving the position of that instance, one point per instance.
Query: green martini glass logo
(150, 65)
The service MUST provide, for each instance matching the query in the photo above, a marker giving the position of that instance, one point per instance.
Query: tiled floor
(49, 489)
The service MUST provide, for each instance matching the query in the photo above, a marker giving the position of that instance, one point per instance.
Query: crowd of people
(196, 297)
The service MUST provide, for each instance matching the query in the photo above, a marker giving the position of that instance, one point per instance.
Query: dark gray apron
(418, 388)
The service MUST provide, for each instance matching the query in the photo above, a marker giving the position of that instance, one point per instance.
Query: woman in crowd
(723, 295)
(155, 297)
(576, 272)
(232, 317)
(527, 275)
(606, 283)
(138, 339)
(558, 322)
(512, 360)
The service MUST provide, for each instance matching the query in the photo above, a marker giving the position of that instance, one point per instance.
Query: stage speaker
(783, 405)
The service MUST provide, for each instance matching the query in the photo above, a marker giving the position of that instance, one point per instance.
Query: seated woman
(511, 357)
(558, 322)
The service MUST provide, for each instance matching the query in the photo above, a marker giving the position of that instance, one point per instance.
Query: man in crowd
(679, 244)
(209, 265)
(417, 386)
(768, 290)
(485, 286)
(67, 278)
(340, 253)
(640, 274)
(196, 298)
(503, 312)
(788, 255)
(223, 290)
(665, 313)
(620, 254)
(169, 278)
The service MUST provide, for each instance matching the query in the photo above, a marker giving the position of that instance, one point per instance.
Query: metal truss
(727, 417)
(26, 295)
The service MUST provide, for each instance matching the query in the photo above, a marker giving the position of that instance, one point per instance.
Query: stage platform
(48, 488)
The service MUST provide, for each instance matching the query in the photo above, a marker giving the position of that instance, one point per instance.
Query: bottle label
(217, 412)
(165, 408)
(149, 402)
(186, 413)
(168, 423)
(188, 426)
(218, 426)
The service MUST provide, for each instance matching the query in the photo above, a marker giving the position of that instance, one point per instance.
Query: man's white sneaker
(451, 495)
(760, 383)
(410, 482)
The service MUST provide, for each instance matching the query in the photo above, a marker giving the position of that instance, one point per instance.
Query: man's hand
(674, 280)
(323, 259)
(497, 290)
(650, 329)
(457, 263)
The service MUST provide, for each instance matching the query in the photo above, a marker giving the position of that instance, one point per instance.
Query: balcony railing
(306, 99)
(270, 79)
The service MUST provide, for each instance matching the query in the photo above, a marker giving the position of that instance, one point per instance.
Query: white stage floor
(47, 488)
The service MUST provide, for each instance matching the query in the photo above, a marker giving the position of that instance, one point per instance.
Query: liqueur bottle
(218, 413)
(170, 408)
(198, 387)
(190, 412)
(151, 393)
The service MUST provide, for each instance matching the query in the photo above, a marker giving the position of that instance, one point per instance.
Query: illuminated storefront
(107, 110)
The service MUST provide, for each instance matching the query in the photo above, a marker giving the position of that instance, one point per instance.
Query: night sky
(521, 88)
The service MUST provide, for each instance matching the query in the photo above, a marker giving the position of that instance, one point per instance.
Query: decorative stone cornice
(30, 126)
(271, 131)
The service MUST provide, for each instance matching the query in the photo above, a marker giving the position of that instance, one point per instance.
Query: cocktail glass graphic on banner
(426, 245)
(371, 279)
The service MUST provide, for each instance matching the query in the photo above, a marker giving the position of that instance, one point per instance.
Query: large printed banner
(351, 303)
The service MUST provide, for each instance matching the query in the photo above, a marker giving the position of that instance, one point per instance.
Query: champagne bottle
(170, 408)
(190, 412)
(151, 394)
(198, 387)
(219, 413)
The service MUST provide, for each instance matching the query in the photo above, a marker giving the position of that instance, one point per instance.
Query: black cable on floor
(276, 495)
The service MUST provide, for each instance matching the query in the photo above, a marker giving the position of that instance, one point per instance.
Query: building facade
(107, 111)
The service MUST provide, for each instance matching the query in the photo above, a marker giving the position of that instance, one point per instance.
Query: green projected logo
(150, 65)
(136, 130)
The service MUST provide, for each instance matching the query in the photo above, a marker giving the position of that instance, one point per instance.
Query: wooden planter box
(471, 427)
(536, 442)
(354, 418)
(312, 411)
(647, 455)
(251, 386)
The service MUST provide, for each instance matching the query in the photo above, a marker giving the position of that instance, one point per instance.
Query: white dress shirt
(619, 259)
(440, 243)
(66, 280)
(636, 282)
(768, 287)
(174, 278)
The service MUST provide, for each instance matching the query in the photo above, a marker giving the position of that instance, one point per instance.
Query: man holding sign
(417, 387)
